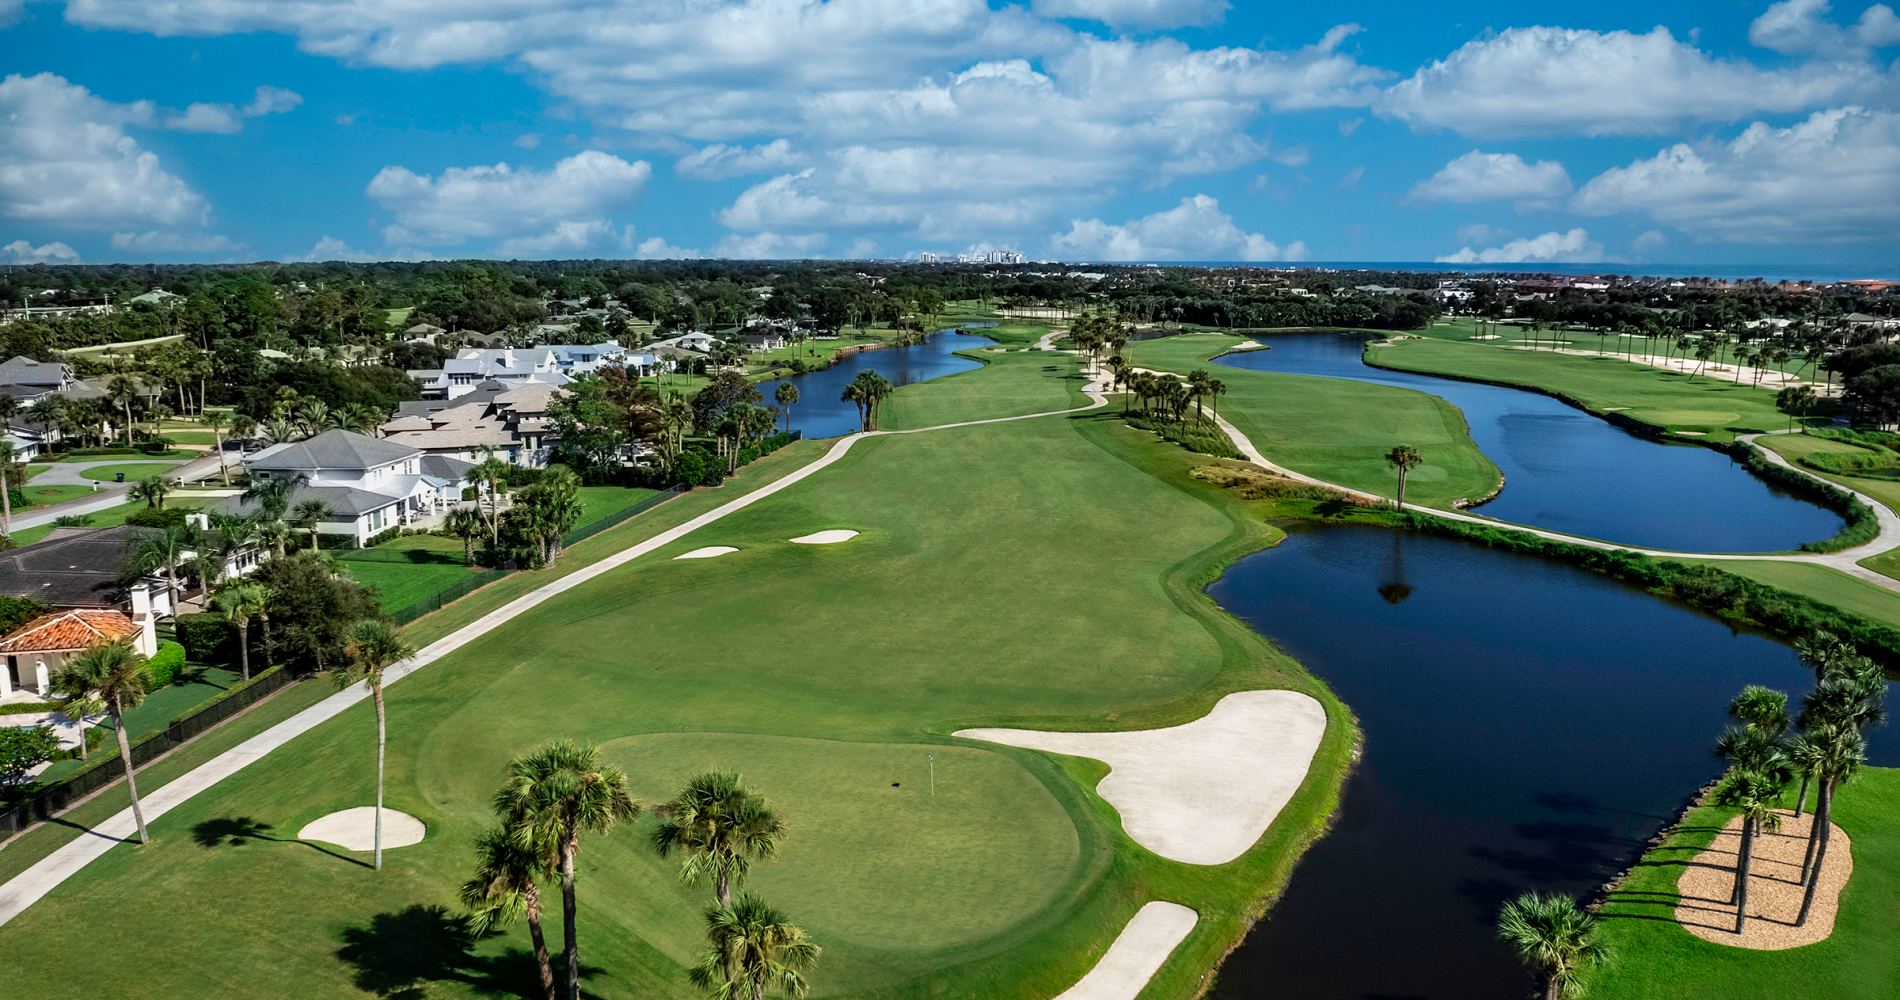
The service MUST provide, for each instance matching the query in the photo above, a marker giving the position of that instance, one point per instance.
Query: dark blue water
(820, 413)
(1528, 726)
(1568, 471)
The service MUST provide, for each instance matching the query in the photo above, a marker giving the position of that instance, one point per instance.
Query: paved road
(110, 495)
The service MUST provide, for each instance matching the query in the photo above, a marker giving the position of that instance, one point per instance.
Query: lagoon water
(821, 414)
(1528, 726)
(1569, 471)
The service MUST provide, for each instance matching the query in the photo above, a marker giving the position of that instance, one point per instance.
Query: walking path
(31, 885)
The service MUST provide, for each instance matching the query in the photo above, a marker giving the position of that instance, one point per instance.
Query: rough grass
(974, 596)
(1821, 583)
(1335, 429)
(1655, 959)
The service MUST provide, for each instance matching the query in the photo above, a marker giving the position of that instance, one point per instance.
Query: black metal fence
(623, 515)
(434, 602)
(107, 766)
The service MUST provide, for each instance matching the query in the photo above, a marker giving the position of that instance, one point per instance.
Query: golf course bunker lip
(708, 552)
(1204, 792)
(831, 537)
(355, 829)
(1136, 954)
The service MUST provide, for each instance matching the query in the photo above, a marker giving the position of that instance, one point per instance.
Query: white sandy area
(831, 537)
(1202, 793)
(1137, 953)
(1245, 345)
(1748, 374)
(708, 552)
(355, 829)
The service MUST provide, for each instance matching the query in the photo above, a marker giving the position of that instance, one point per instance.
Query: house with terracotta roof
(37, 651)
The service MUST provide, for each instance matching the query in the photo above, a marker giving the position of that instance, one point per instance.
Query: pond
(1569, 471)
(820, 413)
(1528, 726)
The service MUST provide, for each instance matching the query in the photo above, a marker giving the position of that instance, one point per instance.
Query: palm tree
(1554, 934)
(551, 796)
(786, 395)
(467, 524)
(721, 826)
(1832, 755)
(8, 462)
(121, 391)
(237, 604)
(1762, 709)
(217, 421)
(162, 550)
(1403, 458)
(311, 514)
(115, 675)
(153, 490)
(374, 647)
(1755, 793)
(492, 469)
(505, 888)
(753, 947)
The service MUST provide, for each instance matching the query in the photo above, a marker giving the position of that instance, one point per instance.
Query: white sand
(1137, 953)
(708, 552)
(355, 829)
(1245, 345)
(831, 537)
(1201, 793)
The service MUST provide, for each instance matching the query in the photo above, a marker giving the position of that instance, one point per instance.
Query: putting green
(1690, 418)
(868, 840)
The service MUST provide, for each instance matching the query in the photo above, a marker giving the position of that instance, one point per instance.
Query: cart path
(30, 886)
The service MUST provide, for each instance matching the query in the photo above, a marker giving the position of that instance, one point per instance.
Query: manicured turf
(110, 517)
(43, 495)
(975, 595)
(599, 501)
(134, 471)
(1821, 583)
(1335, 429)
(34, 470)
(1657, 960)
(1010, 385)
(403, 584)
(1666, 399)
(192, 437)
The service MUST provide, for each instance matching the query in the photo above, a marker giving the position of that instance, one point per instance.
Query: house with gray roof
(369, 484)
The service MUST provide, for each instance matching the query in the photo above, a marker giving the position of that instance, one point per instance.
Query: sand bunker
(708, 552)
(1774, 895)
(1137, 953)
(826, 537)
(1245, 345)
(1201, 793)
(355, 829)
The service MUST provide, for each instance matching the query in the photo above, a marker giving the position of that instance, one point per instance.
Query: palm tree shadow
(238, 831)
(399, 955)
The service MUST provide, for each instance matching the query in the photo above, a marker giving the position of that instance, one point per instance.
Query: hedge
(165, 664)
(1724, 594)
(24, 707)
(1862, 526)
(206, 638)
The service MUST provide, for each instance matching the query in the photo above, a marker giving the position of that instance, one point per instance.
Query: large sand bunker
(1137, 953)
(1774, 887)
(708, 552)
(1201, 793)
(831, 537)
(355, 829)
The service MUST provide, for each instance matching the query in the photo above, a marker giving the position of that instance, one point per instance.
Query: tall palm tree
(554, 794)
(505, 888)
(468, 524)
(753, 947)
(492, 469)
(217, 420)
(720, 826)
(1554, 934)
(157, 550)
(1755, 794)
(786, 395)
(122, 391)
(8, 462)
(1833, 755)
(374, 647)
(115, 675)
(1403, 458)
(237, 604)
(311, 514)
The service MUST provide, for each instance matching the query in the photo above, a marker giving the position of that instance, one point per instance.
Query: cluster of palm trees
(1167, 399)
(1826, 749)
(544, 511)
(743, 425)
(1098, 337)
(297, 418)
(868, 390)
(719, 827)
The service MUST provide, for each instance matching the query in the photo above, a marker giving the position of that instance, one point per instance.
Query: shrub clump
(1255, 483)
(165, 664)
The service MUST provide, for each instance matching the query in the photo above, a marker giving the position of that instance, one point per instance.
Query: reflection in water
(1528, 725)
(1569, 471)
(820, 412)
(1396, 590)
(1394, 593)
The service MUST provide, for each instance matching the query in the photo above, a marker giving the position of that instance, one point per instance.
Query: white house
(695, 341)
(573, 359)
(370, 484)
(472, 366)
(509, 420)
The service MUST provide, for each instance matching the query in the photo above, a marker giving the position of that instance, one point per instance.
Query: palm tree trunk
(1401, 488)
(1553, 989)
(1823, 811)
(540, 940)
(568, 850)
(125, 754)
(1801, 799)
(1739, 894)
(725, 889)
(270, 648)
(6, 505)
(381, 739)
(244, 648)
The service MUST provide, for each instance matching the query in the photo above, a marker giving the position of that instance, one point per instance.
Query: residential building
(694, 341)
(79, 569)
(36, 652)
(370, 484)
(574, 359)
(472, 366)
(510, 420)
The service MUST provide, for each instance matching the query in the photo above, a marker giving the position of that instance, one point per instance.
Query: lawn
(405, 583)
(160, 707)
(111, 517)
(1655, 959)
(1821, 583)
(40, 496)
(133, 471)
(1009, 385)
(599, 501)
(34, 470)
(1711, 409)
(974, 596)
(1335, 429)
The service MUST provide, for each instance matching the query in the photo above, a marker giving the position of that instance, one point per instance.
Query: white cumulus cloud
(1138, 13)
(719, 161)
(65, 157)
(1573, 247)
(1650, 241)
(1196, 229)
(22, 252)
(158, 241)
(532, 212)
(1478, 176)
(1798, 27)
(1534, 81)
(1832, 178)
(656, 248)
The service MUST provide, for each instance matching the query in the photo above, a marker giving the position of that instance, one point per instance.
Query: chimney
(147, 642)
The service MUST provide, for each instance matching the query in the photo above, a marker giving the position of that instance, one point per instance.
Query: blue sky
(1067, 129)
